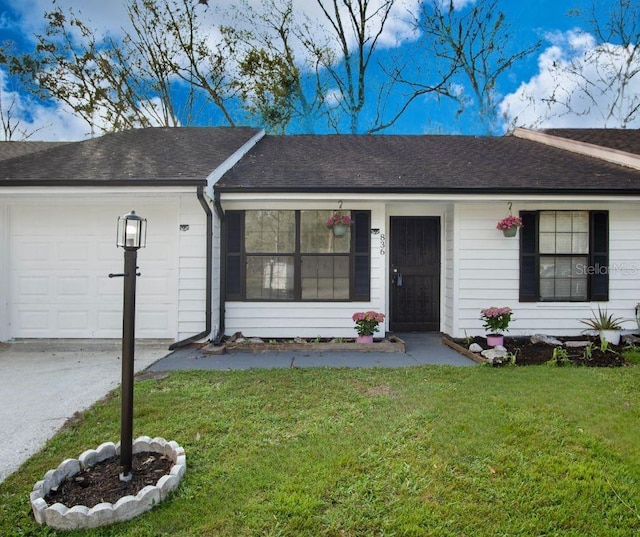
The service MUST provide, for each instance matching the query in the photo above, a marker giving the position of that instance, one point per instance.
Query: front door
(415, 273)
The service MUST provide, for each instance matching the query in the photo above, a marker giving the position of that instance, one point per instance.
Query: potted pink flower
(509, 225)
(496, 321)
(339, 223)
(367, 324)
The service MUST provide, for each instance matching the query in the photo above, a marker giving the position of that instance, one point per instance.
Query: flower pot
(510, 232)
(611, 336)
(494, 340)
(365, 339)
(340, 230)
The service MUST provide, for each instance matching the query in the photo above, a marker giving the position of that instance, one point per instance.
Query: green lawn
(411, 451)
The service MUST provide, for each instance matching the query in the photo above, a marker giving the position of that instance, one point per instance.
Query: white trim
(231, 161)
(622, 158)
(416, 197)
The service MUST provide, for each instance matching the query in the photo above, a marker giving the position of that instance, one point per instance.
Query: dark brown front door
(415, 273)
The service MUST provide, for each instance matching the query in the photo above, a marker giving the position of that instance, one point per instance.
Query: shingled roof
(182, 156)
(17, 149)
(421, 164)
(621, 139)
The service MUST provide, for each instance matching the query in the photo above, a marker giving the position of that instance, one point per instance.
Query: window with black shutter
(564, 256)
(278, 255)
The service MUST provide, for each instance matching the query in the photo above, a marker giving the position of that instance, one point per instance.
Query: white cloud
(33, 121)
(577, 85)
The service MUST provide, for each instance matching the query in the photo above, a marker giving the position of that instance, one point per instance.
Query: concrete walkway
(421, 349)
(45, 382)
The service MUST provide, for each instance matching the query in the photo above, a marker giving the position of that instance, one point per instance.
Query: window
(564, 256)
(293, 256)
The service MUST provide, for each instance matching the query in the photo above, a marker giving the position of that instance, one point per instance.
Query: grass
(411, 451)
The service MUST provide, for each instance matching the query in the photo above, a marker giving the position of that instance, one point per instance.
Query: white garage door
(60, 258)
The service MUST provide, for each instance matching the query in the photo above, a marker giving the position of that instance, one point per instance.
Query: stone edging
(256, 345)
(462, 350)
(60, 517)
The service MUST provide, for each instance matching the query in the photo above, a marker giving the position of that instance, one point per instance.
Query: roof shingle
(430, 164)
(153, 156)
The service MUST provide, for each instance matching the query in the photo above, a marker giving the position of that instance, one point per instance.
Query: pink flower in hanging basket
(509, 222)
(339, 218)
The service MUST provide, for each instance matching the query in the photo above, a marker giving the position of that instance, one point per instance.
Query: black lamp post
(132, 235)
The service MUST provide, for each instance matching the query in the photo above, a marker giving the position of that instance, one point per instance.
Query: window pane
(548, 221)
(325, 277)
(270, 231)
(269, 277)
(580, 243)
(564, 221)
(547, 243)
(316, 237)
(580, 221)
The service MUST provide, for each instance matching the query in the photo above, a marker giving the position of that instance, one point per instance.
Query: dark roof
(621, 139)
(17, 149)
(429, 164)
(153, 156)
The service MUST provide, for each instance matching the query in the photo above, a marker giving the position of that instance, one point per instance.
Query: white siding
(192, 267)
(4, 272)
(488, 271)
(449, 297)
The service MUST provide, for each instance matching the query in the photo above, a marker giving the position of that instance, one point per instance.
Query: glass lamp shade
(132, 231)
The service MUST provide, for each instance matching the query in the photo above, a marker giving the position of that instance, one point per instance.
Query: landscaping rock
(549, 340)
(631, 339)
(474, 347)
(576, 344)
(495, 355)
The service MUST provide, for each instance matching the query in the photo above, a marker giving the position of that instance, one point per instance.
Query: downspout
(223, 266)
(208, 302)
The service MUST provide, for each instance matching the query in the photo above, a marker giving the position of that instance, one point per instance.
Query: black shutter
(234, 231)
(529, 261)
(599, 251)
(361, 281)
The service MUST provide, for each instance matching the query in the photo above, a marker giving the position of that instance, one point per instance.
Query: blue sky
(521, 92)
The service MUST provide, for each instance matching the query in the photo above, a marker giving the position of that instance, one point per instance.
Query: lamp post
(132, 235)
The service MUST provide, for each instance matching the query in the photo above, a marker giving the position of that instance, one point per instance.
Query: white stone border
(60, 517)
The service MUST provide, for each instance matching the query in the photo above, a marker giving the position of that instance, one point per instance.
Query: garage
(60, 257)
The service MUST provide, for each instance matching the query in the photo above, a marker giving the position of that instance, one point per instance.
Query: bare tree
(137, 81)
(604, 78)
(471, 48)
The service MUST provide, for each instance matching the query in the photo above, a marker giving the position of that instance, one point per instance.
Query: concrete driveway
(44, 382)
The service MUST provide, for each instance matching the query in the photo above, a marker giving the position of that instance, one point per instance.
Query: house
(238, 241)
(59, 205)
(424, 248)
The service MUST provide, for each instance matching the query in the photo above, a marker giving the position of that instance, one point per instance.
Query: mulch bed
(101, 483)
(528, 353)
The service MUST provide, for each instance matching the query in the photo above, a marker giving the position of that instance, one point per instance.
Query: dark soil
(528, 353)
(101, 483)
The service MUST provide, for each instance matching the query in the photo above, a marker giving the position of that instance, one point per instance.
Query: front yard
(414, 451)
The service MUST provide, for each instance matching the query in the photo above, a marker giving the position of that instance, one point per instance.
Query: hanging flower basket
(339, 223)
(509, 225)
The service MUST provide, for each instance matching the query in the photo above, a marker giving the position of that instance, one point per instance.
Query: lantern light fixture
(132, 231)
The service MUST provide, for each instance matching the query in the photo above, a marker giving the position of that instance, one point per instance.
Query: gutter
(209, 301)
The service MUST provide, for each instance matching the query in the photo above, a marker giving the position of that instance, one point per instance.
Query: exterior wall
(4, 271)
(173, 265)
(449, 322)
(192, 267)
(311, 319)
(488, 270)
